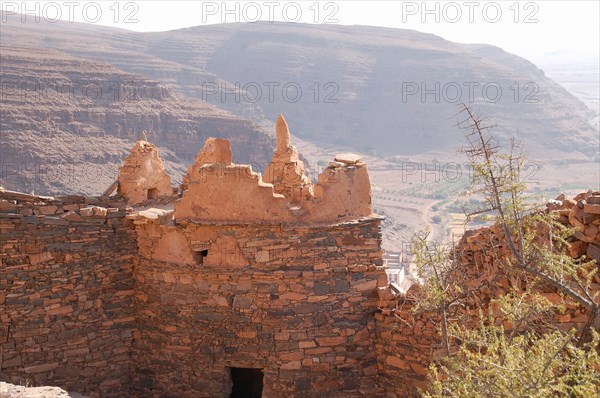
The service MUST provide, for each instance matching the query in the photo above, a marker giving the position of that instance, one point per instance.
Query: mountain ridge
(364, 71)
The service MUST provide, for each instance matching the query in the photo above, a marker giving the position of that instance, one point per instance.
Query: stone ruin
(215, 189)
(236, 284)
(234, 281)
(142, 176)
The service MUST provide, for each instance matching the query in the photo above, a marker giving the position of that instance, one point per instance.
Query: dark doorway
(247, 383)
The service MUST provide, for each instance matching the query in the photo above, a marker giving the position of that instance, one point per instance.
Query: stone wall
(66, 293)
(297, 302)
(223, 273)
(407, 342)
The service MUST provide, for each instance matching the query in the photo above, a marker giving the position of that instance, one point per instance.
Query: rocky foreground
(12, 391)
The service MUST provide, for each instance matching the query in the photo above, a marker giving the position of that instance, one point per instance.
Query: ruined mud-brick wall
(407, 342)
(297, 302)
(66, 293)
(278, 274)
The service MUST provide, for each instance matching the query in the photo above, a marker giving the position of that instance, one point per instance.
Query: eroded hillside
(385, 91)
(67, 122)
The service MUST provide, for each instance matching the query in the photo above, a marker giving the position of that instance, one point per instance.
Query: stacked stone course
(583, 214)
(66, 292)
(302, 311)
(408, 342)
(248, 274)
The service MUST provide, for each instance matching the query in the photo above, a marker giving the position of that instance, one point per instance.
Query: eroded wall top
(217, 190)
(142, 175)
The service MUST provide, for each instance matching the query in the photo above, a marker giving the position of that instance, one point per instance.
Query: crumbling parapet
(142, 175)
(215, 189)
(216, 150)
(286, 170)
(230, 193)
(344, 189)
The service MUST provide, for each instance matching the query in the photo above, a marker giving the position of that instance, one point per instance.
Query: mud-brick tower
(266, 284)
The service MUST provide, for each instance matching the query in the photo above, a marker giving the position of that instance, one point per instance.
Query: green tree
(492, 363)
(498, 176)
(485, 359)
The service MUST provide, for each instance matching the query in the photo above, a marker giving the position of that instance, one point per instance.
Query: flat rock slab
(347, 158)
(591, 208)
(153, 213)
(12, 391)
(164, 216)
(594, 199)
(593, 251)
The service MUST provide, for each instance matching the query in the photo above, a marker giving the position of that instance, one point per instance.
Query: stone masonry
(155, 294)
(243, 274)
(66, 292)
(162, 292)
(407, 342)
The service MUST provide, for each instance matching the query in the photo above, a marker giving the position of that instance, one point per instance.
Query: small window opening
(152, 193)
(247, 383)
(199, 256)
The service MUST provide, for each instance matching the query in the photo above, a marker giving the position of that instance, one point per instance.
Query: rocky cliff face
(68, 122)
(390, 91)
(393, 91)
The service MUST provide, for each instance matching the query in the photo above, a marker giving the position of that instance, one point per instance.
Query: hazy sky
(526, 28)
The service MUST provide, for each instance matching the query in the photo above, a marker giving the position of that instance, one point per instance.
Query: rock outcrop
(8, 390)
